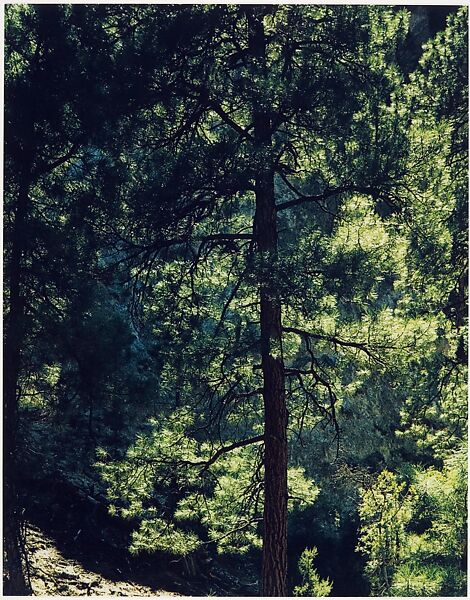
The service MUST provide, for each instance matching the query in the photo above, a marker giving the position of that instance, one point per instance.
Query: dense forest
(235, 285)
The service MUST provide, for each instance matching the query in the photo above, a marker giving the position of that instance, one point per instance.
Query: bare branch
(230, 299)
(47, 168)
(336, 341)
(328, 192)
(226, 118)
(224, 449)
(302, 198)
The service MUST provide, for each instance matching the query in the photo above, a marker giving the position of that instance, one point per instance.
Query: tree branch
(143, 461)
(334, 340)
(47, 168)
(229, 121)
(375, 192)
(224, 449)
(317, 199)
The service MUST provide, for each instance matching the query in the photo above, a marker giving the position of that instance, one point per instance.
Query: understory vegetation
(236, 262)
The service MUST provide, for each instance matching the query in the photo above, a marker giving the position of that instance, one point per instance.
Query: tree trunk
(14, 334)
(274, 566)
(15, 582)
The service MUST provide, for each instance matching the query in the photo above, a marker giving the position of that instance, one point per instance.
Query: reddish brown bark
(274, 566)
(274, 562)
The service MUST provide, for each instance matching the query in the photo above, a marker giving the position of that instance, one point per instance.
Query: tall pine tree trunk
(274, 567)
(14, 333)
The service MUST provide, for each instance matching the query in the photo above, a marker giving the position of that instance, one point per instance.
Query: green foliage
(385, 510)
(417, 580)
(141, 282)
(155, 534)
(438, 535)
(415, 542)
(312, 585)
(168, 485)
(437, 99)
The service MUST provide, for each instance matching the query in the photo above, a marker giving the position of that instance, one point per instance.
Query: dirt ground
(54, 575)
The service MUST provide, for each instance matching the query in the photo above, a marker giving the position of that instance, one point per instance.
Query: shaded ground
(52, 574)
(55, 574)
(77, 548)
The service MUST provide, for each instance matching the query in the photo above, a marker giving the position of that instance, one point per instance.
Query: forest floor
(58, 569)
(53, 574)
(75, 548)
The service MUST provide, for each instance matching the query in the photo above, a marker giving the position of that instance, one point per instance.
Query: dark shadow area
(83, 531)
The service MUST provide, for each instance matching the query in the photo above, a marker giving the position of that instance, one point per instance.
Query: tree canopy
(235, 283)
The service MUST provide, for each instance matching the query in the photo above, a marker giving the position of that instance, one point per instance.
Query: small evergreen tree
(312, 584)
